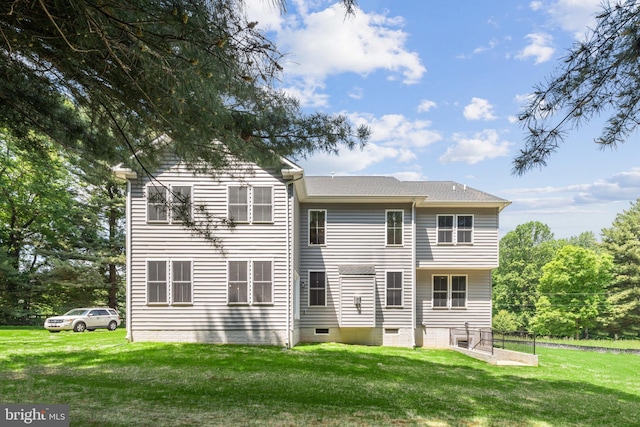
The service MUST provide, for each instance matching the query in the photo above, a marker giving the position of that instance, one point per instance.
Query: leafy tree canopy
(572, 291)
(105, 78)
(599, 74)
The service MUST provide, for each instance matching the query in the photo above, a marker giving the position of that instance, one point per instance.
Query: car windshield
(76, 312)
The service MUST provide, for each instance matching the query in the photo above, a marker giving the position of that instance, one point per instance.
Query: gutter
(413, 275)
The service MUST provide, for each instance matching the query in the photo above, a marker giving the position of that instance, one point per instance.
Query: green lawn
(108, 382)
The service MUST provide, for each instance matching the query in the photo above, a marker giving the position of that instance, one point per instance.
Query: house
(367, 259)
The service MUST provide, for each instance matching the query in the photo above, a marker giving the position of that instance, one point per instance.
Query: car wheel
(112, 325)
(79, 327)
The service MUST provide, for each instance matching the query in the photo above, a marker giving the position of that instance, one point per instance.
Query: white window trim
(248, 302)
(386, 240)
(454, 230)
(326, 293)
(250, 203)
(146, 282)
(450, 291)
(386, 289)
(309, 228)
(168, 193)
(170, 266)
(252, 280)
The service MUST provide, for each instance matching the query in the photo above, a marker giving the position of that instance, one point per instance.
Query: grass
(108, 382)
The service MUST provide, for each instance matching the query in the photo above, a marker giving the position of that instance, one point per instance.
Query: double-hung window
(317, 288)
(157, 282)
(170, 203)
(394, 288)
(169, 282)
(157, 208)
(262, 282)
(239, 204)
(394, 227)
(449, 291)
(250, 204)
(317, 226)
(181, 282)
(238, 282)
(455, 229)
(250, 282)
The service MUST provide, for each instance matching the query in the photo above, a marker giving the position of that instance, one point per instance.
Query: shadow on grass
(201, 384)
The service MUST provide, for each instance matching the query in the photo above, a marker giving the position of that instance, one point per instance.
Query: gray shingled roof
(381, 186)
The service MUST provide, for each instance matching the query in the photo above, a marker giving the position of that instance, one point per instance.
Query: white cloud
(356, 92)
(398, 131)
(426, 105)
(323, 43)
(540, 48)
(535, 5)
(481, 146)
(479, 109)
(348, 162)
(575, 16)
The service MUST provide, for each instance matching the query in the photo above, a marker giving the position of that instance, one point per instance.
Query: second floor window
(394, 227)
(455, 229)
(157, 208)
(169, 203)
(317, 227)
(262, 204)
(239, 204)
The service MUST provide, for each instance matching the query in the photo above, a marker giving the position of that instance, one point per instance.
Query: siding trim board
(373, 227)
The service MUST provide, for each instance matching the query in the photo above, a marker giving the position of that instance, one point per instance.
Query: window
(458, 291)
(317, 288)
(262, 282)
(238, 282)
(317, 227)
(157, 204)
(262, 205)
(394, 289)
(394, 227)
(440, 291)
(181, 282)
(445, 228)
(455, 229)
(465, 229)
(239, 204)
(453, 296)
(157, 282)
(180, 203)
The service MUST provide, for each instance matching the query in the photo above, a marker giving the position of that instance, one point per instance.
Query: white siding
(483, 253)
(363, 288)
(355, 234)
(209, 317)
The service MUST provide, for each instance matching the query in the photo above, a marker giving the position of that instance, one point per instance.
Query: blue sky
(440, 85)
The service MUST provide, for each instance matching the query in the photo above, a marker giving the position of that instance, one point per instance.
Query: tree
(523, 252)
(572, 292)
(598, 74)
(106, 79)
(504, 321)
(622, 242)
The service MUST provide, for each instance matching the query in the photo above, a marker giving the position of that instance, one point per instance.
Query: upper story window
(317, 226)
(449, 291)
(262, 204)
(250, 204)
(455, 229)
(170, 203)
(239, 204)
(394, 226)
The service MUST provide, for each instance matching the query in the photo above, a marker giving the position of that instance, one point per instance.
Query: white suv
(81, 319)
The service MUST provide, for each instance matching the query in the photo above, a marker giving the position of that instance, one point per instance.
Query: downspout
(413, 274)
(289, 265)
(128, 269)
